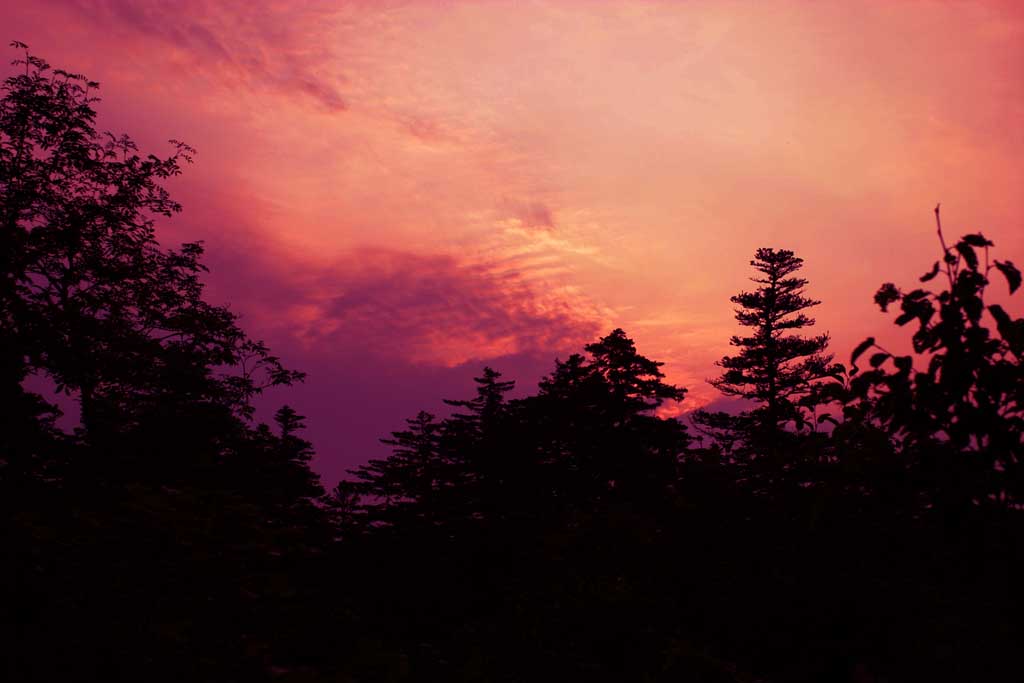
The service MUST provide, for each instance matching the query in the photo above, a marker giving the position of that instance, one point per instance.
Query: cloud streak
(268, 45)
(438, 310)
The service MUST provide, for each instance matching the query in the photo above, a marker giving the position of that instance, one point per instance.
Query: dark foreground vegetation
(854, 523)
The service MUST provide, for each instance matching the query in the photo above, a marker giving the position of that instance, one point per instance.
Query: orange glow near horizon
(448, 183)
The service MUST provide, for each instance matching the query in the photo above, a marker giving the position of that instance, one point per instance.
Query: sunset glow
(394, 194)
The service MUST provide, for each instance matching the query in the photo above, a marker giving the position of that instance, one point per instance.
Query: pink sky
(396, 193)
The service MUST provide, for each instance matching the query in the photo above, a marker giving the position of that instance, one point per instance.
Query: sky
(395, 194)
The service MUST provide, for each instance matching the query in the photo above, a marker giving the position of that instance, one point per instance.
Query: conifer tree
(597, 418)
(414, 468)
(289, 468)
(634, 378)
(484, 407)
(777, 370)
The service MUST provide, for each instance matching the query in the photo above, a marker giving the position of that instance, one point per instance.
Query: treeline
(855, 522)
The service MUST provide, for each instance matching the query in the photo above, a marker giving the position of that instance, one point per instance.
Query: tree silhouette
(776, 370)
(277, 469)
(485, 406)
(166, 498)
(959, 416)
(89, 296)
(588, 435)
(404, 486)
(604, 434)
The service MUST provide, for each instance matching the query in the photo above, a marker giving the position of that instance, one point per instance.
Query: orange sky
(449, 184)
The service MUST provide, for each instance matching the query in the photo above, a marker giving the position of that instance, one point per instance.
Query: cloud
(440, 310)
(534, 214)
(407, 306)
(266, 46)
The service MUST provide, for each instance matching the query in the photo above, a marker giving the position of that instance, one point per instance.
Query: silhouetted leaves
(967, 403)
(976, 240)
(967, 251)
(886, 295)
(878, 358)
(931, 273)
(1010, 272)
(858, 352)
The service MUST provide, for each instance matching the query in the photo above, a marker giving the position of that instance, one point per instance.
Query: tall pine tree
(776, 369)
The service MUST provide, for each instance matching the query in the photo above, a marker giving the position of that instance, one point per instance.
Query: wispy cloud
(438, 310)
(531, 214)
(271, 45)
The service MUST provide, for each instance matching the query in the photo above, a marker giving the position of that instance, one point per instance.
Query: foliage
(89, 297)
(166, 497)
(959, 414)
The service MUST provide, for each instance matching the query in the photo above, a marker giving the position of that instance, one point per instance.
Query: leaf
(1010, 330)
(904, 319)
(878, 358)
(931, 273)
(857, 352)
(973, 307)
(968, 253)
(1010, 272)
(1001, 316)
(886, 294)
(976, 240)
(904, 363)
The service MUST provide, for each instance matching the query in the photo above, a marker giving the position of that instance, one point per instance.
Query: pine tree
(596, 419)
(294, 480)
(484, 407)
(634, 378)
(473, 447)
(438, 470)
(777, 370)
(385, 489)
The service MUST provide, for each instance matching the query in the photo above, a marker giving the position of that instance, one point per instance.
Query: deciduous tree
(88, 296)
(956, 411)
